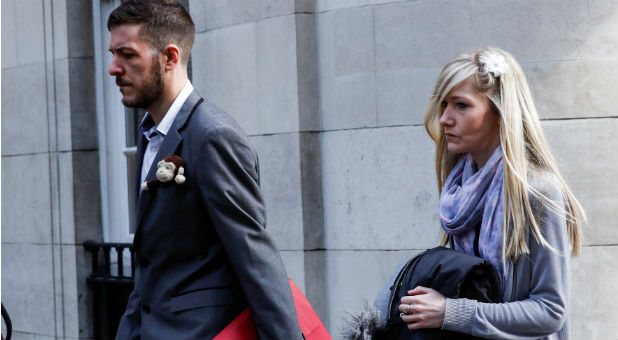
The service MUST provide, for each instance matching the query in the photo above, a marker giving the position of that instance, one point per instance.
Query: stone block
(305, 6)
(250, 71)
(209, 15)
(329, 5)
(294, 261)
(24, 110)
(379, 189)
(410, 34)
(585, 152)
(402, 95)
(594, 301)
(30, 31)
(83, 107)
(26, 215)
(63, 197)
(75, 295)
(30, 336)
(57, 34)
(62, 104)
(354, 41)
(28, 287)
(281, 186)
(277, 79)
(349, 102)
(9, 35)
(400, 37)
(307, 70)
(85, 184)
(79, 29)
(312, 190)
(356, 277)
(316, 283)
(570, 89)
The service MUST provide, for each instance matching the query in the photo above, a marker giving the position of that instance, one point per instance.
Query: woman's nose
(446, 119)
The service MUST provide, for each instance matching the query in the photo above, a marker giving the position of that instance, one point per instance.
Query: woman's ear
(172, 56)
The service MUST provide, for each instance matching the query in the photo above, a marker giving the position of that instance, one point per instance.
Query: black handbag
(452, 273)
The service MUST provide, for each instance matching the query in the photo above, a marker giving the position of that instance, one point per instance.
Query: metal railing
(111, 283)
(6, 322)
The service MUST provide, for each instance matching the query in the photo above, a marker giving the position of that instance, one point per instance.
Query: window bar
(95, 260)
(120, 253)
(106, 264)
(132, 262)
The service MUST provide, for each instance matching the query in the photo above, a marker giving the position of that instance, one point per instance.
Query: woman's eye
(461, 106)
(443, 105)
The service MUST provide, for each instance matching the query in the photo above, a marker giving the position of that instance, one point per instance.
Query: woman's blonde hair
(524, 148)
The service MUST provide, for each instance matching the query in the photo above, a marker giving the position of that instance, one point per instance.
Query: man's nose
(114, 68)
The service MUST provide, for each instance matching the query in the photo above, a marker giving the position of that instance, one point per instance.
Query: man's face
(137, 71)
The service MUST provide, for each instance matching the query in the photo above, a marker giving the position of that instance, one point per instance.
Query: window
(118, 133)
(117, 128)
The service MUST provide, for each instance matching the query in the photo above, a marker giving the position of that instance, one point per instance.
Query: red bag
(242, 328)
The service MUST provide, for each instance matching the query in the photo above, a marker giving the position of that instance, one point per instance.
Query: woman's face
(469, 123)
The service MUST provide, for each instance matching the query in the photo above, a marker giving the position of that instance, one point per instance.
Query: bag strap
(398, 282)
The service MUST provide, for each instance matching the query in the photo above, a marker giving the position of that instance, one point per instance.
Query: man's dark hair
(163, 22)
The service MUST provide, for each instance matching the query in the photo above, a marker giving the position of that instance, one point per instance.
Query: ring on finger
(406, 309)
(401, 315)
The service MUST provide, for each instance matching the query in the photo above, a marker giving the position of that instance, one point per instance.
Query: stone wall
(332, 94)
(50, 167)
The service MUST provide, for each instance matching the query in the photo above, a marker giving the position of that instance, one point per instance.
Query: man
(202, 254)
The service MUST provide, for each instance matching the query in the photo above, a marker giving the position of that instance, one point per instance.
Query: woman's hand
(423, 308)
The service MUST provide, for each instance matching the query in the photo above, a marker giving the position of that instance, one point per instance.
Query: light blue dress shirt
(156, 133)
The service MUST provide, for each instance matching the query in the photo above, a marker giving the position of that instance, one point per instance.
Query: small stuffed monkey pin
(170, 167)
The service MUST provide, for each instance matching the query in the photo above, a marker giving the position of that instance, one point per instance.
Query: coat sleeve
(545, 309)
(229, 187)
(130, 324)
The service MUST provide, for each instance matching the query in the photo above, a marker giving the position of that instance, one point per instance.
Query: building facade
(332, 95)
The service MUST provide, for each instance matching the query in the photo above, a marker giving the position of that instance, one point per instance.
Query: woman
(503, 199)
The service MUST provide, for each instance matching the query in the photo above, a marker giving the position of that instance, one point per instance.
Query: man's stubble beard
(151, 88)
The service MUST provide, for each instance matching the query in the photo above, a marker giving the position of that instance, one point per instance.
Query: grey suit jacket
(202, 253)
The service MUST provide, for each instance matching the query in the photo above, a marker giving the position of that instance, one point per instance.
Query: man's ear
(172, 56)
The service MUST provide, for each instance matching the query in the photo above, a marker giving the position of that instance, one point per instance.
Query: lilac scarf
(469, 198)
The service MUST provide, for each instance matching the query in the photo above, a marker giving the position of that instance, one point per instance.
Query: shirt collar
(147, 126)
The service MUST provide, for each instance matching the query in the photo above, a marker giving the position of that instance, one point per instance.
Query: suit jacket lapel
(169, 146)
